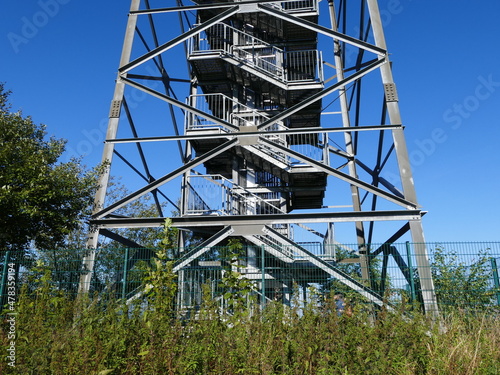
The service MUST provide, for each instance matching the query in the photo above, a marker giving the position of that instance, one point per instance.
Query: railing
(296, 6)
(273, 243)
(218, 105)
(235, 113)
(265, 58)
(216, 195)
(208, 195)
(304, 66)
(240, 45)
(224, 108)
(285, 67)
(216, 38)
(290, 6)
(310, 145)
(229, 110)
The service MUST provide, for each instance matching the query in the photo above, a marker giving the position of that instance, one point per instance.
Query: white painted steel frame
(407, 199)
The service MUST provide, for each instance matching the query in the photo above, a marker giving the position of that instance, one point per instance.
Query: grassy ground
(56, 335)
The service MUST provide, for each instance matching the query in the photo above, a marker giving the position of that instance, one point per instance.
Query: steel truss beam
(329, 268)
(163, 180)
(177, 103)
(290, 218)
(203, 248)
(318, 96)
(178, 40)
(197, 7)
(326, 266)
(325, 31)
(341, 175)
(254, 133)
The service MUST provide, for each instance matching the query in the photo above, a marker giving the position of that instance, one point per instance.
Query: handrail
(234, 199)
(236, 113)
(292, 6)
(284, 66)
(237, 200)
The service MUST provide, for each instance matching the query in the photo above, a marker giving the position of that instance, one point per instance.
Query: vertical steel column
(360, 232)
(107, 155)
(423, 265)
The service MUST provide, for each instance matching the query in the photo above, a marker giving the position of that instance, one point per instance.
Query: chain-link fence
(465, 275)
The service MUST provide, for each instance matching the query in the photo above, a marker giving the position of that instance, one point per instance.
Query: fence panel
(465, 275)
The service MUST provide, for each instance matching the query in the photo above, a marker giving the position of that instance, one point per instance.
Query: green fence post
(496, 279)
(4, 274)
(410, 271)
(263, 283)
(125, 271)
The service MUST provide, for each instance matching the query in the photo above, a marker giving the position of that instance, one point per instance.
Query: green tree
(42, 199)
(237, 288)
(66, 260)
(459, 285)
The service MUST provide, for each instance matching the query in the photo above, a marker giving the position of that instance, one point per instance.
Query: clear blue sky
(59, 57)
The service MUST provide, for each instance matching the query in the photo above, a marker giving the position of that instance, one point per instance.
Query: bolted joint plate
(114, 111)
(391, 94)
(250, 139)
(248, 229)
(248, 8)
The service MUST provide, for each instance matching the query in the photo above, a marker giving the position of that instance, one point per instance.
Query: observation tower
(276, 123)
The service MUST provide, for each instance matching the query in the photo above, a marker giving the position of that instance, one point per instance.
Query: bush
(59, 335)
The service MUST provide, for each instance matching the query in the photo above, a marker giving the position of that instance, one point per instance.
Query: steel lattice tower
(269, 121)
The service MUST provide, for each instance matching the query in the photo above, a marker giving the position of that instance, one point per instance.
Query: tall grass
(58, 335)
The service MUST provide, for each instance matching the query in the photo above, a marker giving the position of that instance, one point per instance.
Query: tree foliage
(112, 337)
(237, 288)
(460, 285)
(41, 198)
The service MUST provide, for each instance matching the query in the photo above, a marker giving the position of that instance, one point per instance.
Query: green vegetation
(147, 337)
(58, 334)
(460, 285)
(42, 200)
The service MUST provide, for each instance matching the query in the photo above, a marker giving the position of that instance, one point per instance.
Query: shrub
(60, 335)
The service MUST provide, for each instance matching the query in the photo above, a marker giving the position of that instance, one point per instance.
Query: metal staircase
(288, 70)
(288, 170)
(216, 195)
